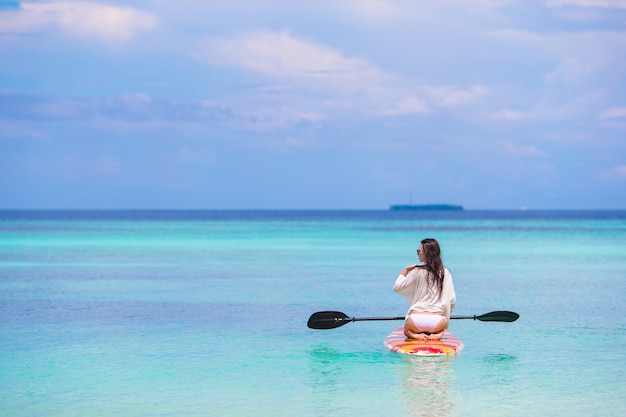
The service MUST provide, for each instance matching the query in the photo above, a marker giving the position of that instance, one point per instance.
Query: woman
(429, 290)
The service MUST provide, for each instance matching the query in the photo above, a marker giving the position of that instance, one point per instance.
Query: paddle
(323, 320)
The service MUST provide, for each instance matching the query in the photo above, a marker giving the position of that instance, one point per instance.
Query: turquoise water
(204, 314)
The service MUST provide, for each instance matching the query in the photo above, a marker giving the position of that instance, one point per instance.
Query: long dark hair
(433, 263)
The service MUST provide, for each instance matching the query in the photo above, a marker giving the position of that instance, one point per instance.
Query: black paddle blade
(507, 316)
(323, 320)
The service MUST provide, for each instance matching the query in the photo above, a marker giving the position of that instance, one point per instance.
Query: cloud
(324, 81)
(615, 173)
(370, 11)
(133, 108)
(434, 96)
(452, 96)
(619, 4)
(620, 171)
(614, 113)
(394, 11)
(288, 144)
(15, 130)
(77, 19)
(282, 55)
(576, 78)
(511, 115)
(613, 117)
(524, 151)
(407, 105)
(570, 70)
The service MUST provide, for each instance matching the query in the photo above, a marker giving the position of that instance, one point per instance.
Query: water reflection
(500, 370)
(350, 383)
(326, 366)
(427, 384)
(327, 380)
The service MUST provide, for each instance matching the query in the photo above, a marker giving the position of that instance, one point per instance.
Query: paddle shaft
(400, 318)
(374, 318)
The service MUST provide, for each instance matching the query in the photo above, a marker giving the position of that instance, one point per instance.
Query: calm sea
(203, 313)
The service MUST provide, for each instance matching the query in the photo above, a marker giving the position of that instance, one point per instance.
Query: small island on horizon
(426, 207)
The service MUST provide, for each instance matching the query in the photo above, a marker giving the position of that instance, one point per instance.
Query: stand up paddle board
(397, 342)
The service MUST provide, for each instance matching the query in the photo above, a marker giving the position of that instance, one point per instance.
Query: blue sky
(336, 104)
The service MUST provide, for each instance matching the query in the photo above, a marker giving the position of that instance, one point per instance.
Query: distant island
(426, 207)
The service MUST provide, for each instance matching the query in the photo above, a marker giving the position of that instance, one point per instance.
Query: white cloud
(407, 105)
(620, 4)
(288, 144)
(508, 114)
(524, 151)
(452, 96)
(614, 117)
(571, 89)
(615, 173)
(373, 10)
(17, 130)
(570, 70)
(282, 55)
(385, 11)
(336, 83)
(516, 37)
(577, 74)
(614, 113)
(77, 18)
(620, 171)
(264, 115)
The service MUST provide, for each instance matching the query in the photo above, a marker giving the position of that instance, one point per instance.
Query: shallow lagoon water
(204, 313)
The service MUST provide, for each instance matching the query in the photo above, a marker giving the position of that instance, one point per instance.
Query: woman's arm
(408, 269)
(403, 281)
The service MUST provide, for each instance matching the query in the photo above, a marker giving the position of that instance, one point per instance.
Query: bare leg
(436, 336)
(414, 335)
(412, 331)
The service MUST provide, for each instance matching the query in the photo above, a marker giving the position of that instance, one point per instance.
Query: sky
(332, 104)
